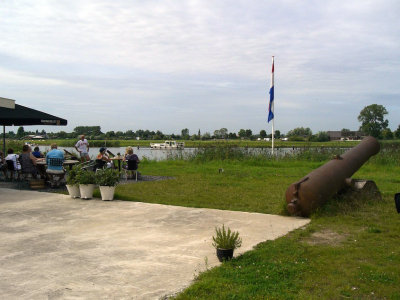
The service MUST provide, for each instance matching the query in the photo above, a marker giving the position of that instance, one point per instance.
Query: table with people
(34, 164)
(128, 162)
(50, 166)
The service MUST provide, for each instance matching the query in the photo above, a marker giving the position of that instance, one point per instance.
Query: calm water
(162, 154)
(141, 152)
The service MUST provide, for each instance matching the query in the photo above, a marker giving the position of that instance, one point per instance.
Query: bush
(226, 239)
(107, 177)
(72, 176)
(86, 177)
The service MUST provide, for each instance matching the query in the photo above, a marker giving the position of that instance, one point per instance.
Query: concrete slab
(55, 247)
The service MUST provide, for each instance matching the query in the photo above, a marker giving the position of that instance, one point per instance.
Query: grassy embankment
(350, 249)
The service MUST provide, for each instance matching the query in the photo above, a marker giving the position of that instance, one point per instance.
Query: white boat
(168, 145)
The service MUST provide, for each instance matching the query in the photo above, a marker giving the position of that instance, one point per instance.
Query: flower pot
(224, 254)
(107, 192)
(73, 190)
(86, 190)
(397, 201)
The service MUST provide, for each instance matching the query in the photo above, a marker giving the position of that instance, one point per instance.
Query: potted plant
(107, 179)
(86, 180)
(225, 241)
(72, 182)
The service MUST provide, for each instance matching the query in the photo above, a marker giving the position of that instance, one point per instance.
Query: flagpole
(272, 106)
(273, 121)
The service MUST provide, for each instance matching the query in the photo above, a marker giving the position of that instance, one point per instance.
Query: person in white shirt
(82, 146)
(14, 158)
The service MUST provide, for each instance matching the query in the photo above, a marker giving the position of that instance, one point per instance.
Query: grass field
(350, 249)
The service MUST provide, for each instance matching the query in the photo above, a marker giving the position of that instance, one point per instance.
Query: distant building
(351, 135)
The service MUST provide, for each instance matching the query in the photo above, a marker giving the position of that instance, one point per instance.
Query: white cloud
(196, 59)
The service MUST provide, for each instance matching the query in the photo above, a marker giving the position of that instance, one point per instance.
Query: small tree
(277, 134)
(387, 134)
(249, 133)
(185, 134)
(321, 136)
(300, 131)
(242, 133)
(345, 132)
(20, 132)
(372, 119)
(397, 133)
(263, 134)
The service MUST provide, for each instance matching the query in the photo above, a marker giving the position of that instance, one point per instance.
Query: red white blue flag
(271, 95)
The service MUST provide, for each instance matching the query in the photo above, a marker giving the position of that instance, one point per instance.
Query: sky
(168, 65)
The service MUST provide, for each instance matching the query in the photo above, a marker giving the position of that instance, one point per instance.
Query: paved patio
(55, 247)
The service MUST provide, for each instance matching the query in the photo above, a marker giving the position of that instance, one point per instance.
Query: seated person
(14, 158)
(55, 170)
(54, 160)
(131, 159)
(28, 161)
(3, 164)
(36, 153)
(103, 159)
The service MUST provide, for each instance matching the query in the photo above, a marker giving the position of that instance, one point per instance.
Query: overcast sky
(169, 65)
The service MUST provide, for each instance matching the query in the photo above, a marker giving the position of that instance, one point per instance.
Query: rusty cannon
(313, 190)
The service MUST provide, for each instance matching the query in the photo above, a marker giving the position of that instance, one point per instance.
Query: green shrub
(72, 176)
(226, 239)
(107, 177)
(86, 177)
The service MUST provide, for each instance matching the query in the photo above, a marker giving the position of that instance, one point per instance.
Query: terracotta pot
(86, 190)
(73, 190)
(107, 192)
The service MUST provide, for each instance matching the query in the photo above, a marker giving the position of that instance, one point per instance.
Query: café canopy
(12, 114)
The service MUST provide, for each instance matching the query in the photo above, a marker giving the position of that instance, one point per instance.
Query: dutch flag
(271, 95)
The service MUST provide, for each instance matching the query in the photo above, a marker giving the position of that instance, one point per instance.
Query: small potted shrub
(107, 179)
(225, 241)
(72, 182)
(86, 180)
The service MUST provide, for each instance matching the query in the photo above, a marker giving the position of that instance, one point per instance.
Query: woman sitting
(102, 159)
(132, 161)
(28, 161)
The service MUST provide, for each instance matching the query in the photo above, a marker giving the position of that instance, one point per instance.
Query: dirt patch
(325, 237)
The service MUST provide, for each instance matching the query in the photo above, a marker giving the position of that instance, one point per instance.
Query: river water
(153, 154)
(162, 154)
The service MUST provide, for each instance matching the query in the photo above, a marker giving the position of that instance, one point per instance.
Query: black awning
(23, 115)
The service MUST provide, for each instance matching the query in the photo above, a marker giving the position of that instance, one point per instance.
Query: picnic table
(67, 162)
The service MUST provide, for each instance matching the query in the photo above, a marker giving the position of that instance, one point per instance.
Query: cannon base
(360, 190)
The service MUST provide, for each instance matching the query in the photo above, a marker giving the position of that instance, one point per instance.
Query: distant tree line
(372, 120)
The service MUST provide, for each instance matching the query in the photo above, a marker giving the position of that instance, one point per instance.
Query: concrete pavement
(55, 247)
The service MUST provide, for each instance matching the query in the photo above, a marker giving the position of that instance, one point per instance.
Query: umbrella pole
(4, 140)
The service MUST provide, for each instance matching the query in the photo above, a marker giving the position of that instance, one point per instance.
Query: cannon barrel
(310, 192)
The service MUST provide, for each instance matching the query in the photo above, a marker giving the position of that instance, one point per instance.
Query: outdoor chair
(25, 174)
(12, 172)
(55, 176)
(99, 164)
(131, 169)
(87, 165)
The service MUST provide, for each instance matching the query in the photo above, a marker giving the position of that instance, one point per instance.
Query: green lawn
(350, 249)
